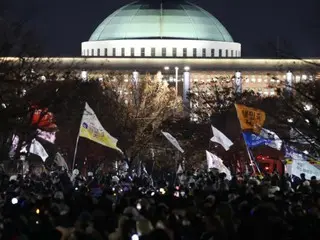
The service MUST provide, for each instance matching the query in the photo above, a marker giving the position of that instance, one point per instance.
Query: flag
(180, 169)
(60, 161)
(220, 138)
(254, 140)
(250, 118)
(275, 141)
(37, 149)
(173, 141)
(92, 129)
(48, 136)
(214, 161)
(266, 137)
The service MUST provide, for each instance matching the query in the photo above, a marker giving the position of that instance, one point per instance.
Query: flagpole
(252, 161)
(75, 152)
(77, 143)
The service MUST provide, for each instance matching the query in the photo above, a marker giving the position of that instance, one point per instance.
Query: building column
(238, 82)
(135, 77)
(186, 88)
(135, 81)
(288, 86)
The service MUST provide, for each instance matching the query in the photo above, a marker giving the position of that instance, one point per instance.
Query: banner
(250, 118)
(173, 141)
(299, 167)
(220, 138)
(92, 129)
(214, 161)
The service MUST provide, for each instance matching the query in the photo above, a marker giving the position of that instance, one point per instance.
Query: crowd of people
(199, 205)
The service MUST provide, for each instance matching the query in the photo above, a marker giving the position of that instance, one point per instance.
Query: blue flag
(254, 140)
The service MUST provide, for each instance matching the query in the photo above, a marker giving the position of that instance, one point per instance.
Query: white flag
(275, 142)
(173, 141)
(214, 161)
(37, 149)
(220, 138)
(180, 170)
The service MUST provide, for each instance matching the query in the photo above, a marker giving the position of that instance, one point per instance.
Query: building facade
(183, 42)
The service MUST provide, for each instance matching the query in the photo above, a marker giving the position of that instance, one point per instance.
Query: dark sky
(62, 25)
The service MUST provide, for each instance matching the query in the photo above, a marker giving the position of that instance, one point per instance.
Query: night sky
(61, 25)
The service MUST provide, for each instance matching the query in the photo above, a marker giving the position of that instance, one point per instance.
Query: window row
(134, 52)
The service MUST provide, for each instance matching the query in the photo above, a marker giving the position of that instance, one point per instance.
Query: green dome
(161, 20)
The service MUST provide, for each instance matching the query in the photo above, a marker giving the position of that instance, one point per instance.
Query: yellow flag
(250, 118)
(92, 129)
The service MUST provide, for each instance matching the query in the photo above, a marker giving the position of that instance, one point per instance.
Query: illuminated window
(106, 51)
(164, 52)
(174, 52)
(143, 52)
(92, 52)
(132, 52)
(220, 52)
(227, 53)
(194, 52)
(203, 52)
(184, 52)
(122, 52)
(212, 52)
(304, 77)
(113, 52)
(98, 52)
(153, 52)
(231, 53)
(259, 80)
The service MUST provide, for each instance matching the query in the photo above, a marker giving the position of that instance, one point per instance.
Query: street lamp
(166, 68)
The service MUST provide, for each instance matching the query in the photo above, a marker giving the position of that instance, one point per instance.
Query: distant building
(183, 42)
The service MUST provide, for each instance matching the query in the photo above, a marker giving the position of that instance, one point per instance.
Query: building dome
(161, 29)
(156, 19)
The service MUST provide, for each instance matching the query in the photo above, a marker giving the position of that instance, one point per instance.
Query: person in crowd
(203, 206)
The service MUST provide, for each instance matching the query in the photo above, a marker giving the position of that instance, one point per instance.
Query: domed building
(161, 29)
(182, 42)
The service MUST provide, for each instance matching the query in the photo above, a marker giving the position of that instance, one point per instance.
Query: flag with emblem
(251, 119)
(92, 129)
